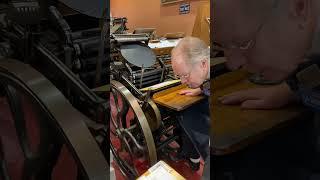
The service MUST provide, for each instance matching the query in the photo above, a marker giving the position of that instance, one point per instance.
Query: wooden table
(163, 47)
(171, 98)
(234, 128)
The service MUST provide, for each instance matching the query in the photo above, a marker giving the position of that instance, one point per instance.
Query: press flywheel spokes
(130, 135)
(28, 134)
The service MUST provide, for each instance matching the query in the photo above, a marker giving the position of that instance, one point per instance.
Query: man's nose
(183, 81)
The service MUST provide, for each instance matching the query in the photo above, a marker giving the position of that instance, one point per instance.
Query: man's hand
(191, 92)
(261, 98)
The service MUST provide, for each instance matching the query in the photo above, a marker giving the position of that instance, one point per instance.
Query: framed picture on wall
(184, 8)
(170, 1)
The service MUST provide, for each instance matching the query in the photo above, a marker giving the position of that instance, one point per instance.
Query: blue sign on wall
(184, 8)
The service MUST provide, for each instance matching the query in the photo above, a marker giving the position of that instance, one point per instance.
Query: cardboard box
(161, 171)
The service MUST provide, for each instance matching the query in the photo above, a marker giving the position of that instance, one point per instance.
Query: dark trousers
(195, 122)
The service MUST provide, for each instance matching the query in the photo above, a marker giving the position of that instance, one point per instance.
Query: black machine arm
(74, 83)
(135, 90)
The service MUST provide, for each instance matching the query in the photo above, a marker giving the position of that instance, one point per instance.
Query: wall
(150, 13)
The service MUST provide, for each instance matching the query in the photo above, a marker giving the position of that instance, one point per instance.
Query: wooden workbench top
(171, 98)
(234, 128)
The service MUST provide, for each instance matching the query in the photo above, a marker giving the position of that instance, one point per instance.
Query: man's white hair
(193, 49)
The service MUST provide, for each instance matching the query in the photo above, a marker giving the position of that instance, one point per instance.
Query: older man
(270, 37)
(276, 38)
(191, 63)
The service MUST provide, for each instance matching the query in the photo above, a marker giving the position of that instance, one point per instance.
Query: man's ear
(204, 63)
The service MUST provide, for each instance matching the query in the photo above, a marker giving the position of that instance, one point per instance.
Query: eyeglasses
(247, 45)
(184, 76)
(187, 75)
